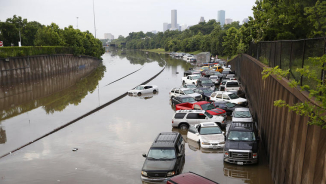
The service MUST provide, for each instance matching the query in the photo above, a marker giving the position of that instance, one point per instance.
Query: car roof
(241, 109)
(185, 89)
(185, 96)
(223, 92)
(208, 124)
(165, 139)
(202, 102)
(242, 126)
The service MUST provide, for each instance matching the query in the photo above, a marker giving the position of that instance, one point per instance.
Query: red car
(202, 105)
(190, 178)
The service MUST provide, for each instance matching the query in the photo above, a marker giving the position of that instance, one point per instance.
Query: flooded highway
(111, 141)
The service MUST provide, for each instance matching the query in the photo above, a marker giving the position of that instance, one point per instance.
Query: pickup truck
(190, 79)
(228, 97)
(203, 105)
(232, 86)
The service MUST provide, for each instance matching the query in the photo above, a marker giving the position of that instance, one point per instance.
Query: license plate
(215, 147)
(240, 163)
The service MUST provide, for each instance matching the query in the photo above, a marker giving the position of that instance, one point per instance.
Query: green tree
(231, 41)
(317, 19)
(48, 36)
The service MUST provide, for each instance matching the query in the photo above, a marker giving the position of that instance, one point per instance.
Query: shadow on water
(52, 94)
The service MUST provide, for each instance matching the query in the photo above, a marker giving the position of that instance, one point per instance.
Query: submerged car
(241, 115)
(165, 158)
(182, 99)
(143, 89)
(209, 135)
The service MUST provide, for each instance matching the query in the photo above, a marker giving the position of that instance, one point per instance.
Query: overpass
(296, 151)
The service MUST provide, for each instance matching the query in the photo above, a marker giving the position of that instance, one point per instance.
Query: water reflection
(3, 137)
(247, 174)
(145, 96)
(53, 94)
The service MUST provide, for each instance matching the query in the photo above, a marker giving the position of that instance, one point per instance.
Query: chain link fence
(291, 54)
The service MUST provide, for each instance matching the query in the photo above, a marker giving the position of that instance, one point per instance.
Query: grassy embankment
(225, 57)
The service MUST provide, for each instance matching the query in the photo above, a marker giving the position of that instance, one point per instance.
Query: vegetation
(36, 34)
(6, 52)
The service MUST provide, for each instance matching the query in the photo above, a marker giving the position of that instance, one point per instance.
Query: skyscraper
(228, 21)
(174, 22)
(221, 17)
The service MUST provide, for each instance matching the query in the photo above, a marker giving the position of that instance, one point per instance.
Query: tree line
(272, 20)
(35, 34)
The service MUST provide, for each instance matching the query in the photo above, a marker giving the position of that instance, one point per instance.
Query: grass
(159, 51)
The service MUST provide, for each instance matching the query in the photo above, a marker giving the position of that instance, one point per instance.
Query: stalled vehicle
(228, 97)
(165, 158)
(209, 135)
(182, 99)
(241, 115)
(190, 79)
(203, 105)
(143, 89)
(175, 92)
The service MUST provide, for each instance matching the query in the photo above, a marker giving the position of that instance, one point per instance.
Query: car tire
(154, 91)
(139, 94)
(183, 126)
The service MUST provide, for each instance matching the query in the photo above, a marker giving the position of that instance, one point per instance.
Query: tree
(231, 41)
(48, 36)
(317, 19)
(316, 113)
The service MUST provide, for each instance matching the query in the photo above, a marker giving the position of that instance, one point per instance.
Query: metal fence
(290, 54)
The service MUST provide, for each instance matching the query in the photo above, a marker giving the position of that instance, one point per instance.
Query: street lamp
(94, 18)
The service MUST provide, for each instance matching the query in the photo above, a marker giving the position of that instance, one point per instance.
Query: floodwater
(111, 141)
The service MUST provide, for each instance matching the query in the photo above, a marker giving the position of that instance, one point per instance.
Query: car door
(177, 93)
(213, 96)
(226, 97)
(193, 133)
(192, 118)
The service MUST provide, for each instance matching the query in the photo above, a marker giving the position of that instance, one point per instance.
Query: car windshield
(195, 77)
(139, 88)
(191, 86)
(161, 154)
(208, 114)
(210, 130)
(233, 96)
(230, 105)
(188, 100)
(207, 106)
(232, 84)
(206, 81)
(189, 91)
(207, 90)
(241, 136)
(241, 114)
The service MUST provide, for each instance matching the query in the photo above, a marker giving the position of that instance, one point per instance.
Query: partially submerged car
(182, 99)
(143, 89)
(175, 92)
(209, 135)
(228, 97)
(165, 158)
(241, 115)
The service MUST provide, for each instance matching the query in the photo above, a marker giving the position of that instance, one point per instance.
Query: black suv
(241, 144)
(165, 158)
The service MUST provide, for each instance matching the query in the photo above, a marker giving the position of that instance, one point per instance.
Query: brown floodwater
(111, 141)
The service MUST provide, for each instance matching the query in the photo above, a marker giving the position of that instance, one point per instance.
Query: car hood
(159, 165)
(239, 100)
(217, 119)
(241, 145)
(208, 85)
(207, 94)
(212, 138)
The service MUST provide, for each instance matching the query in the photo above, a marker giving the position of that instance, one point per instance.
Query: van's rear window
(232, 84)
(179, 115)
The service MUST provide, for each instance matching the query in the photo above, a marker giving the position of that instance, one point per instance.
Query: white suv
(241, 115)
(228, 97)
(184, 118)
(175, 92)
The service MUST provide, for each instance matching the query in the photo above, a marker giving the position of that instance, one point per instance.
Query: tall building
(201, 19)
(228, 21)
(245, 20)
(108, 36)
(221, 17)
(165, 27)
(174, 20)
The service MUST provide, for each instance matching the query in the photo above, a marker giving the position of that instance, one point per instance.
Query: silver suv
(184, 118)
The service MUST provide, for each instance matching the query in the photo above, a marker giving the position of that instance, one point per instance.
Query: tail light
(254, 155)
(172, 121)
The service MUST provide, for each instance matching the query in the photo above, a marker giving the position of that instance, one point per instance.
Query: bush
(6, 52)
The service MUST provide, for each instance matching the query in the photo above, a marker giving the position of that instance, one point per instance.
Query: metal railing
(290, 54)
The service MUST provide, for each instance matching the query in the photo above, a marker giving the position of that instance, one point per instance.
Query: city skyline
(221, 17)
(122, 16)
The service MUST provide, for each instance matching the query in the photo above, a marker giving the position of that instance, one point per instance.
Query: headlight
(205, 143)
(171, 173)
(239, 102)
(255, 155)
(222, 142)
(143, 173)
(226, 154)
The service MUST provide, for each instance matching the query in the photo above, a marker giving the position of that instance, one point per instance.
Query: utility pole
(77, 22)
(94, 18)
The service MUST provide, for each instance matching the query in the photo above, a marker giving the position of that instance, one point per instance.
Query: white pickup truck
(190, 79)
(228, 97)
(232, 85)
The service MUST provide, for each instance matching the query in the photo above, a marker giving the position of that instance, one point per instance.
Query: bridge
(296, 151)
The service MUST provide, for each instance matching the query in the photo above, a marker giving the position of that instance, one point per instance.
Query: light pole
(20, 37)
(94, 18)
(77, 22)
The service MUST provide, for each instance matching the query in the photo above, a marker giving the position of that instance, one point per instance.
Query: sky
(120, 17)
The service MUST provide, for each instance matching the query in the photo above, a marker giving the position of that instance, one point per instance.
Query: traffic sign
(1, 43)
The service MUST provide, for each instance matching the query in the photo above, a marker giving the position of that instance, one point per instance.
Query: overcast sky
(120, 17)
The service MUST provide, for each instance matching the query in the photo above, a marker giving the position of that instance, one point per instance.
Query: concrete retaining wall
(27, 69)
(296, 151)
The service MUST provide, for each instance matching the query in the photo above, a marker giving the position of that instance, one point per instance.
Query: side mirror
(144, 155)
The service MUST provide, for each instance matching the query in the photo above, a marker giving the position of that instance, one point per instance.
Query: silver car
(241, 115)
